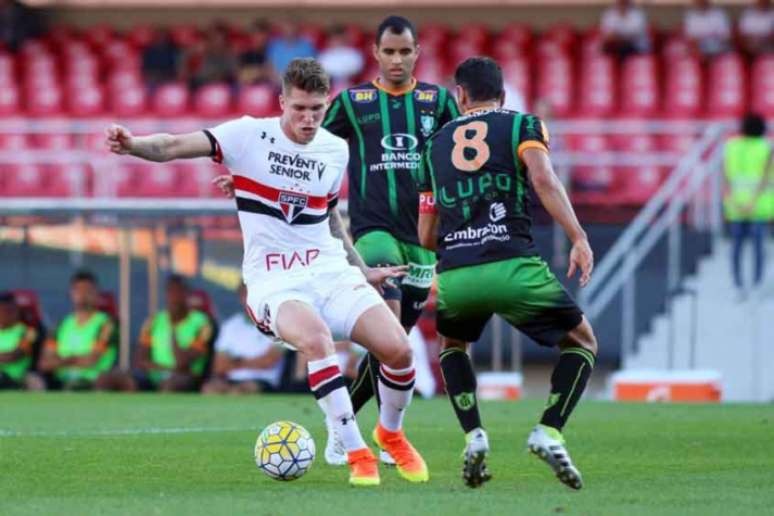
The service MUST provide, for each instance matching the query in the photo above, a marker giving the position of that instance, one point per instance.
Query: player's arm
(142, 357)
(427, 226)
(375, 276)
(554, 198)
(50, 360)
(185, 356)
(23, 350)
(265, 361)
(159, 147)
(100, 347)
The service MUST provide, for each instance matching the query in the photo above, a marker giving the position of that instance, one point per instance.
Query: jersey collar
(401, 91)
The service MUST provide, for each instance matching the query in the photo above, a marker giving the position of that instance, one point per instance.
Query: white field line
(122, 431)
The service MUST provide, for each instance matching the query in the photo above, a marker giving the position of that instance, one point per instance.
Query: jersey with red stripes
(284, 191)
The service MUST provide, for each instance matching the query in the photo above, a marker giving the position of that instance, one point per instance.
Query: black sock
(361, 389)
(568, 382)
(364, 386)
(460, 382)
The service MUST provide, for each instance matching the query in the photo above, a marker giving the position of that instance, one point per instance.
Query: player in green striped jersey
(386, 123)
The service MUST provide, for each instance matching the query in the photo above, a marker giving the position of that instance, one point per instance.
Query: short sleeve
(229, 140)
(533, 134)
(333, 194)
(424, 183)
(448, 109)
(336, 120)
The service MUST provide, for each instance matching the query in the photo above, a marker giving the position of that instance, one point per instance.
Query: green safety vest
(745, 165)
(10, 339)
(184, 333)
(74, 339)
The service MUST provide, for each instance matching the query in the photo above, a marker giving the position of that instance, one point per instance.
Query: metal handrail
(622, 247)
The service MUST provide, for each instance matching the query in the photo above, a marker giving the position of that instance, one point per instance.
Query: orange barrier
(676, 386)
(499, 386)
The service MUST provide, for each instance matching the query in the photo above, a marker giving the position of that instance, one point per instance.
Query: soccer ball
(284, 450)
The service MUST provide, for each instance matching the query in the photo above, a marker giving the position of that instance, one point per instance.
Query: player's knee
(401, 356)
(585, 338)
(447, 343)
(316, 345)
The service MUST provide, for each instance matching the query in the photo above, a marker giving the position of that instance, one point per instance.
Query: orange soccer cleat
(409, 462)
(364, 468)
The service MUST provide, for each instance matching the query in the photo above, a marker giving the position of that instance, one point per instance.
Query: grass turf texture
(81, 454)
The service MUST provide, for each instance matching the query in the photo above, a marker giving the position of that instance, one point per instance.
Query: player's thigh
(379, 331)
(381, 249)
(462, 311)
(299, 324)
(533, 300)
(416, 285)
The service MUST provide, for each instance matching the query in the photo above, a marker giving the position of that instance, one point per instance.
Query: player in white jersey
(301, 287)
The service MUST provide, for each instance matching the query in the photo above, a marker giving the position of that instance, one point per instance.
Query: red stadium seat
(7, 66)
(555, 83)
(141, 36)
(461, 49)
(476, 33)
(29, 306)
(590, 183)
(128, 101)
(636, 184)
(185, 35)
(32, 48)
(518, 34)
(684, 86)
(562, 33)
(9, 100)
(148, 180)
(598, 86)
(120, 80)
(89, 101)
(433, 34)
(259, 100)
(213, 101)
(51, 141)
(106, 302)
(13, 141)
(44, 101)
(516, 74)
(38, 181)
(763, 86)
(99, 35)
(639, 86)
(171, 100)
(430, 70)
(727, 86)
(201, 300)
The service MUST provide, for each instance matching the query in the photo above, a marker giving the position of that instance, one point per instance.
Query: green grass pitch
(90, 454)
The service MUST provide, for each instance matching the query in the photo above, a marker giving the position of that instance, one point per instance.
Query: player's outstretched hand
(118, 139)
(581, 257)
(225, 184)
(376, 276)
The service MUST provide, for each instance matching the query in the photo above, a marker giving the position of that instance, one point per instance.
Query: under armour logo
(347, 419)
(264, 134)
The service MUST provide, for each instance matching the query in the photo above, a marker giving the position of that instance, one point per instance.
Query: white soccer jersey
(283, 193)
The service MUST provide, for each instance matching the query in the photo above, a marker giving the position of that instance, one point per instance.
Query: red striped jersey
(284, 191)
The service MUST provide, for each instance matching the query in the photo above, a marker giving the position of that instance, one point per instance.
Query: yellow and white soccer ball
(284, 450)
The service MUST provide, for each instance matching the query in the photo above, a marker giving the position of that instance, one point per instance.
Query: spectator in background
(708, 28)
(17, 24)
(340, 59)
(172, 352)
(624, 30)
(82, 350)
(756, 28)
(16, 348)
(246, 361)
(254, 66)
(288, 46)
(160, 60)
(218, 62)
(749, 199)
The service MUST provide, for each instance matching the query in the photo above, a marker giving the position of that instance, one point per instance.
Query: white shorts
(339, 296)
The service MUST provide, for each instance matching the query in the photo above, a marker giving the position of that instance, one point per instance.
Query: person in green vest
(16, 346)
(749, 198)
(79, 354)
(173, 347)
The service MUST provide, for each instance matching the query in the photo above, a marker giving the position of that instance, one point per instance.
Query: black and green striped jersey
(473, 173)
(386, 132)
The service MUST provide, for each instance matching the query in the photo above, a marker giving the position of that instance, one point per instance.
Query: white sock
(329, 388)
(396, 388)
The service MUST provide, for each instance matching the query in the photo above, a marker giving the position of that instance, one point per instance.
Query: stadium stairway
(713, 329)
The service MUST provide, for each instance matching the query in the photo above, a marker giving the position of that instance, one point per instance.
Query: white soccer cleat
(548, 444)
(335, 455)
(474, 470)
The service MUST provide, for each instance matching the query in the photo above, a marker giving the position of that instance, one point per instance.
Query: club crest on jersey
(363, 96)
(428, 123)
(292, 204)
(425, 95)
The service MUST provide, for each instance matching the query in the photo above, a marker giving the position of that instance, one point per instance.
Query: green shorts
(380, 248)
(523, 291)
